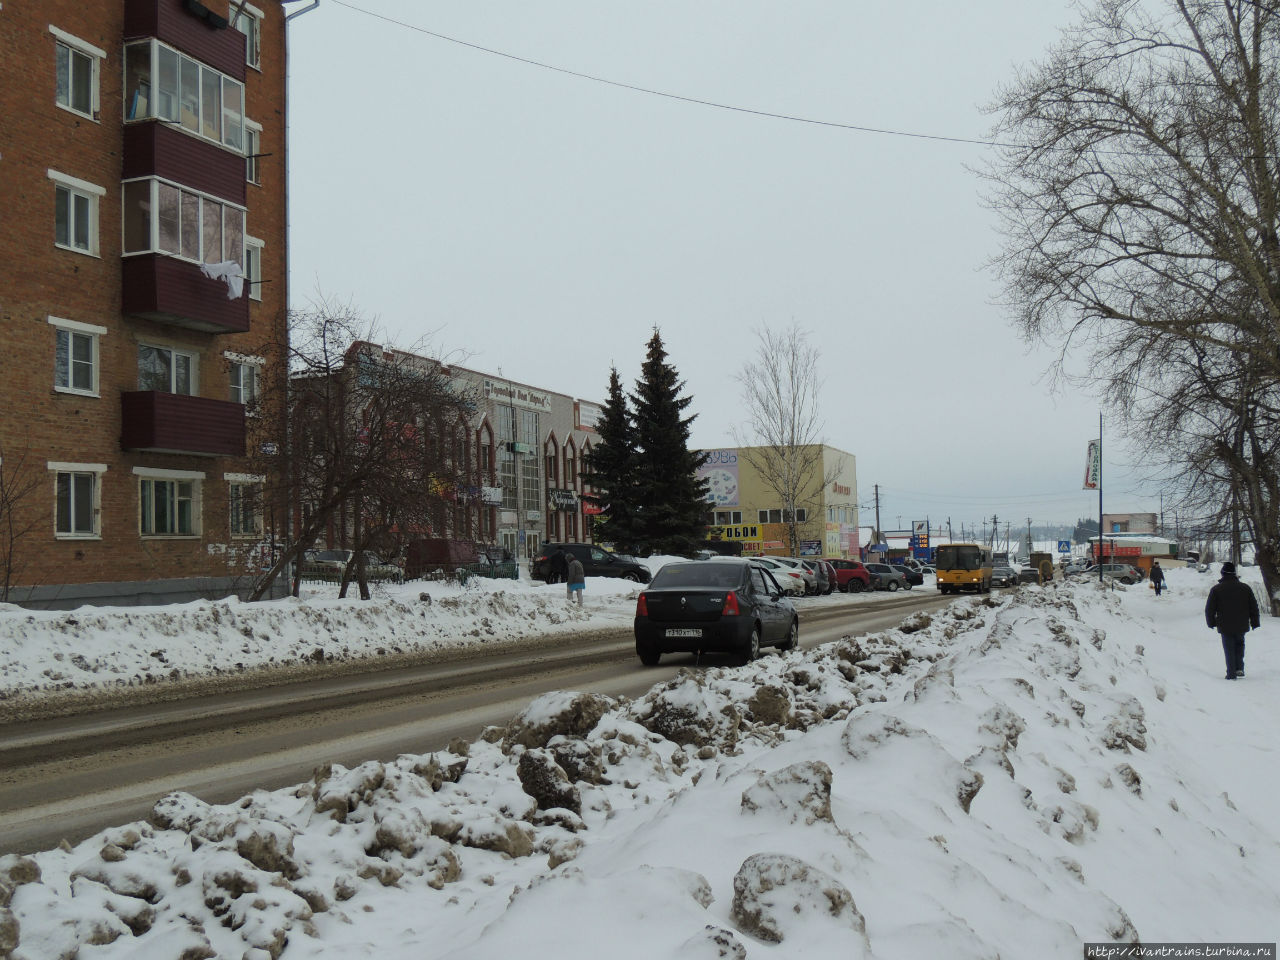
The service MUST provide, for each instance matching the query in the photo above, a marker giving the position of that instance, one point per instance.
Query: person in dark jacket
(558, 566)
(1233, 610)
(576, 581)
(1157, 577)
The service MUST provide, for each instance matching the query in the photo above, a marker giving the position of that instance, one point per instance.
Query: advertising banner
(721, 473)
(1093, 465)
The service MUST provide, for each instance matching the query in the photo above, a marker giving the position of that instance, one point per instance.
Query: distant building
(1130, 523)
(744, 507)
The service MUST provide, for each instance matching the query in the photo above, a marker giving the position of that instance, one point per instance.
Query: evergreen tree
(611, 471)
(1084, 529)
(671, 498)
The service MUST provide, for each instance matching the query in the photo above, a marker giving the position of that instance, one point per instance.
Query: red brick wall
(38, 280)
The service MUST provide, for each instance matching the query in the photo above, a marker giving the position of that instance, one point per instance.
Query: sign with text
(720, 470)
(1093, 465)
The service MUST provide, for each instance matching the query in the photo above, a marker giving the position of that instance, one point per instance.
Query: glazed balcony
(169, 290)
(174, 423)
(196, 28)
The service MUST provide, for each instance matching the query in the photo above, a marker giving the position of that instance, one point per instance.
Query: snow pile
(1012, 776)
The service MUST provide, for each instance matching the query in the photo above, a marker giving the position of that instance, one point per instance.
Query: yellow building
(748, 500)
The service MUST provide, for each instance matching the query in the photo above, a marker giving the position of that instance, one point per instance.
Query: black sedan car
(1004, 577)
(913, 575)
(724, 605)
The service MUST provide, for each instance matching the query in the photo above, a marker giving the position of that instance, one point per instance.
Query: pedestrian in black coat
(1157, 577)
(558, 567)
(1233, 610)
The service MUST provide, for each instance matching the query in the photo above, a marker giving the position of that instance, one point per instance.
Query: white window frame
(253, 36)
(240, 362)
(96, 470)
(205, 76)
(252, 147)
(152, 476)
(153, 222)
(173, 367)
(73, 329)
(252, 267)
(93, 194)
(95, 55)
(235, 480)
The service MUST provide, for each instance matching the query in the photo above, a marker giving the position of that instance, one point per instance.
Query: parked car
(1004, 577)
(810, 578)
(913, 576)
(788, 577)
(330, 564)
(823, 579)
(851, 575)
(1123, 572)
(884, 577)
(724, 605)
(1027, 575)
(596, 562)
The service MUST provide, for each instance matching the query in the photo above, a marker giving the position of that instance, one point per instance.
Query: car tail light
(730, 605)
(642, 607)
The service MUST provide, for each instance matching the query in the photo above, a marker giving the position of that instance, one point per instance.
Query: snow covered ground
(1012, 776)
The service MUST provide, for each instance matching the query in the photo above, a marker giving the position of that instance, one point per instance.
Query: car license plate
(683, 632)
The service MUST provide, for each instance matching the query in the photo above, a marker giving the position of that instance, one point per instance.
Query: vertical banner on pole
(1093, 465)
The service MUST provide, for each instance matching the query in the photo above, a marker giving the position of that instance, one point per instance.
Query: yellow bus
(963, 566)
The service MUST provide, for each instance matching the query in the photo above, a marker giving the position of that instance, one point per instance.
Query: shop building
(143, 266)
(745, 507)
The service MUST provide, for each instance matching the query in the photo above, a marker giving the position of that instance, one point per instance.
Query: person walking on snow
(577, 581)
(1233, 610)
(1157, 577)
(558, 567)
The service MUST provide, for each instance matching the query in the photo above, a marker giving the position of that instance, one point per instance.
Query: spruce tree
(671, 498)
(611, 471)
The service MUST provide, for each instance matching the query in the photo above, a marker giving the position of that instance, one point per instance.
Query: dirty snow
(1011, 776)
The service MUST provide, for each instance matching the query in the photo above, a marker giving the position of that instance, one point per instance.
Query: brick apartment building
(143, 265)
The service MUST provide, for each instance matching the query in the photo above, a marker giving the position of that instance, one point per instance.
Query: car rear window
(719, 576)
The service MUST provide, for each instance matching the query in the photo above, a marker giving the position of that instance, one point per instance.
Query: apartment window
(168, 502)
(782, 516)
(165, 84)
(728, 518)
(244, 501)
(244, 374)
(252, 148)
(77, 499)
(75, 356)
(166, 370)
(253, 267)
(77, 72)
(161, 217)
(248, 20)
(75, 213)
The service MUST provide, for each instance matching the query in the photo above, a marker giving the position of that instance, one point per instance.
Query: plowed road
(70, 777)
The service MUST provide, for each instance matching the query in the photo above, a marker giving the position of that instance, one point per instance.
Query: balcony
(184, 25)
(173, 423)
(169, 290)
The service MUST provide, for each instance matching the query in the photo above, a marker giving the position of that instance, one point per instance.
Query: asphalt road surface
(70, 777)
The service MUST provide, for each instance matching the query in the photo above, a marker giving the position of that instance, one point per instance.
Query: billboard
(1093, 465)
(720, 470)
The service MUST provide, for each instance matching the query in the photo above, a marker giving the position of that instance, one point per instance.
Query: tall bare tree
(367, 440)
(782, 437)
(1140, 199)
(17, 518)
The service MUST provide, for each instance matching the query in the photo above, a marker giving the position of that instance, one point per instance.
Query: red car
(851, 576)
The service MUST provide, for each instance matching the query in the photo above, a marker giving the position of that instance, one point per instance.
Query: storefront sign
(491, 496)
(562, 499)
(749, 532)
(510, 393)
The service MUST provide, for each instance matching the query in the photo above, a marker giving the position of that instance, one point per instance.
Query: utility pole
(878, 530)
(1030, 546)
(995, 530)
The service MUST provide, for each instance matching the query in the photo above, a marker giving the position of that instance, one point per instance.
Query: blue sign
(1064, 546)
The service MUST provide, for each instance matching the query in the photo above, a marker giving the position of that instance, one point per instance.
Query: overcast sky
(544, 223)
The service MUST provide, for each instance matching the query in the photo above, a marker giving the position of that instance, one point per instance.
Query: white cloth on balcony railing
(229, 271)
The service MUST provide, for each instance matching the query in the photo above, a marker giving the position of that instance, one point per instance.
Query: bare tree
(17, 485)
(1139, 190)
(782, 438)
(366, 450)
